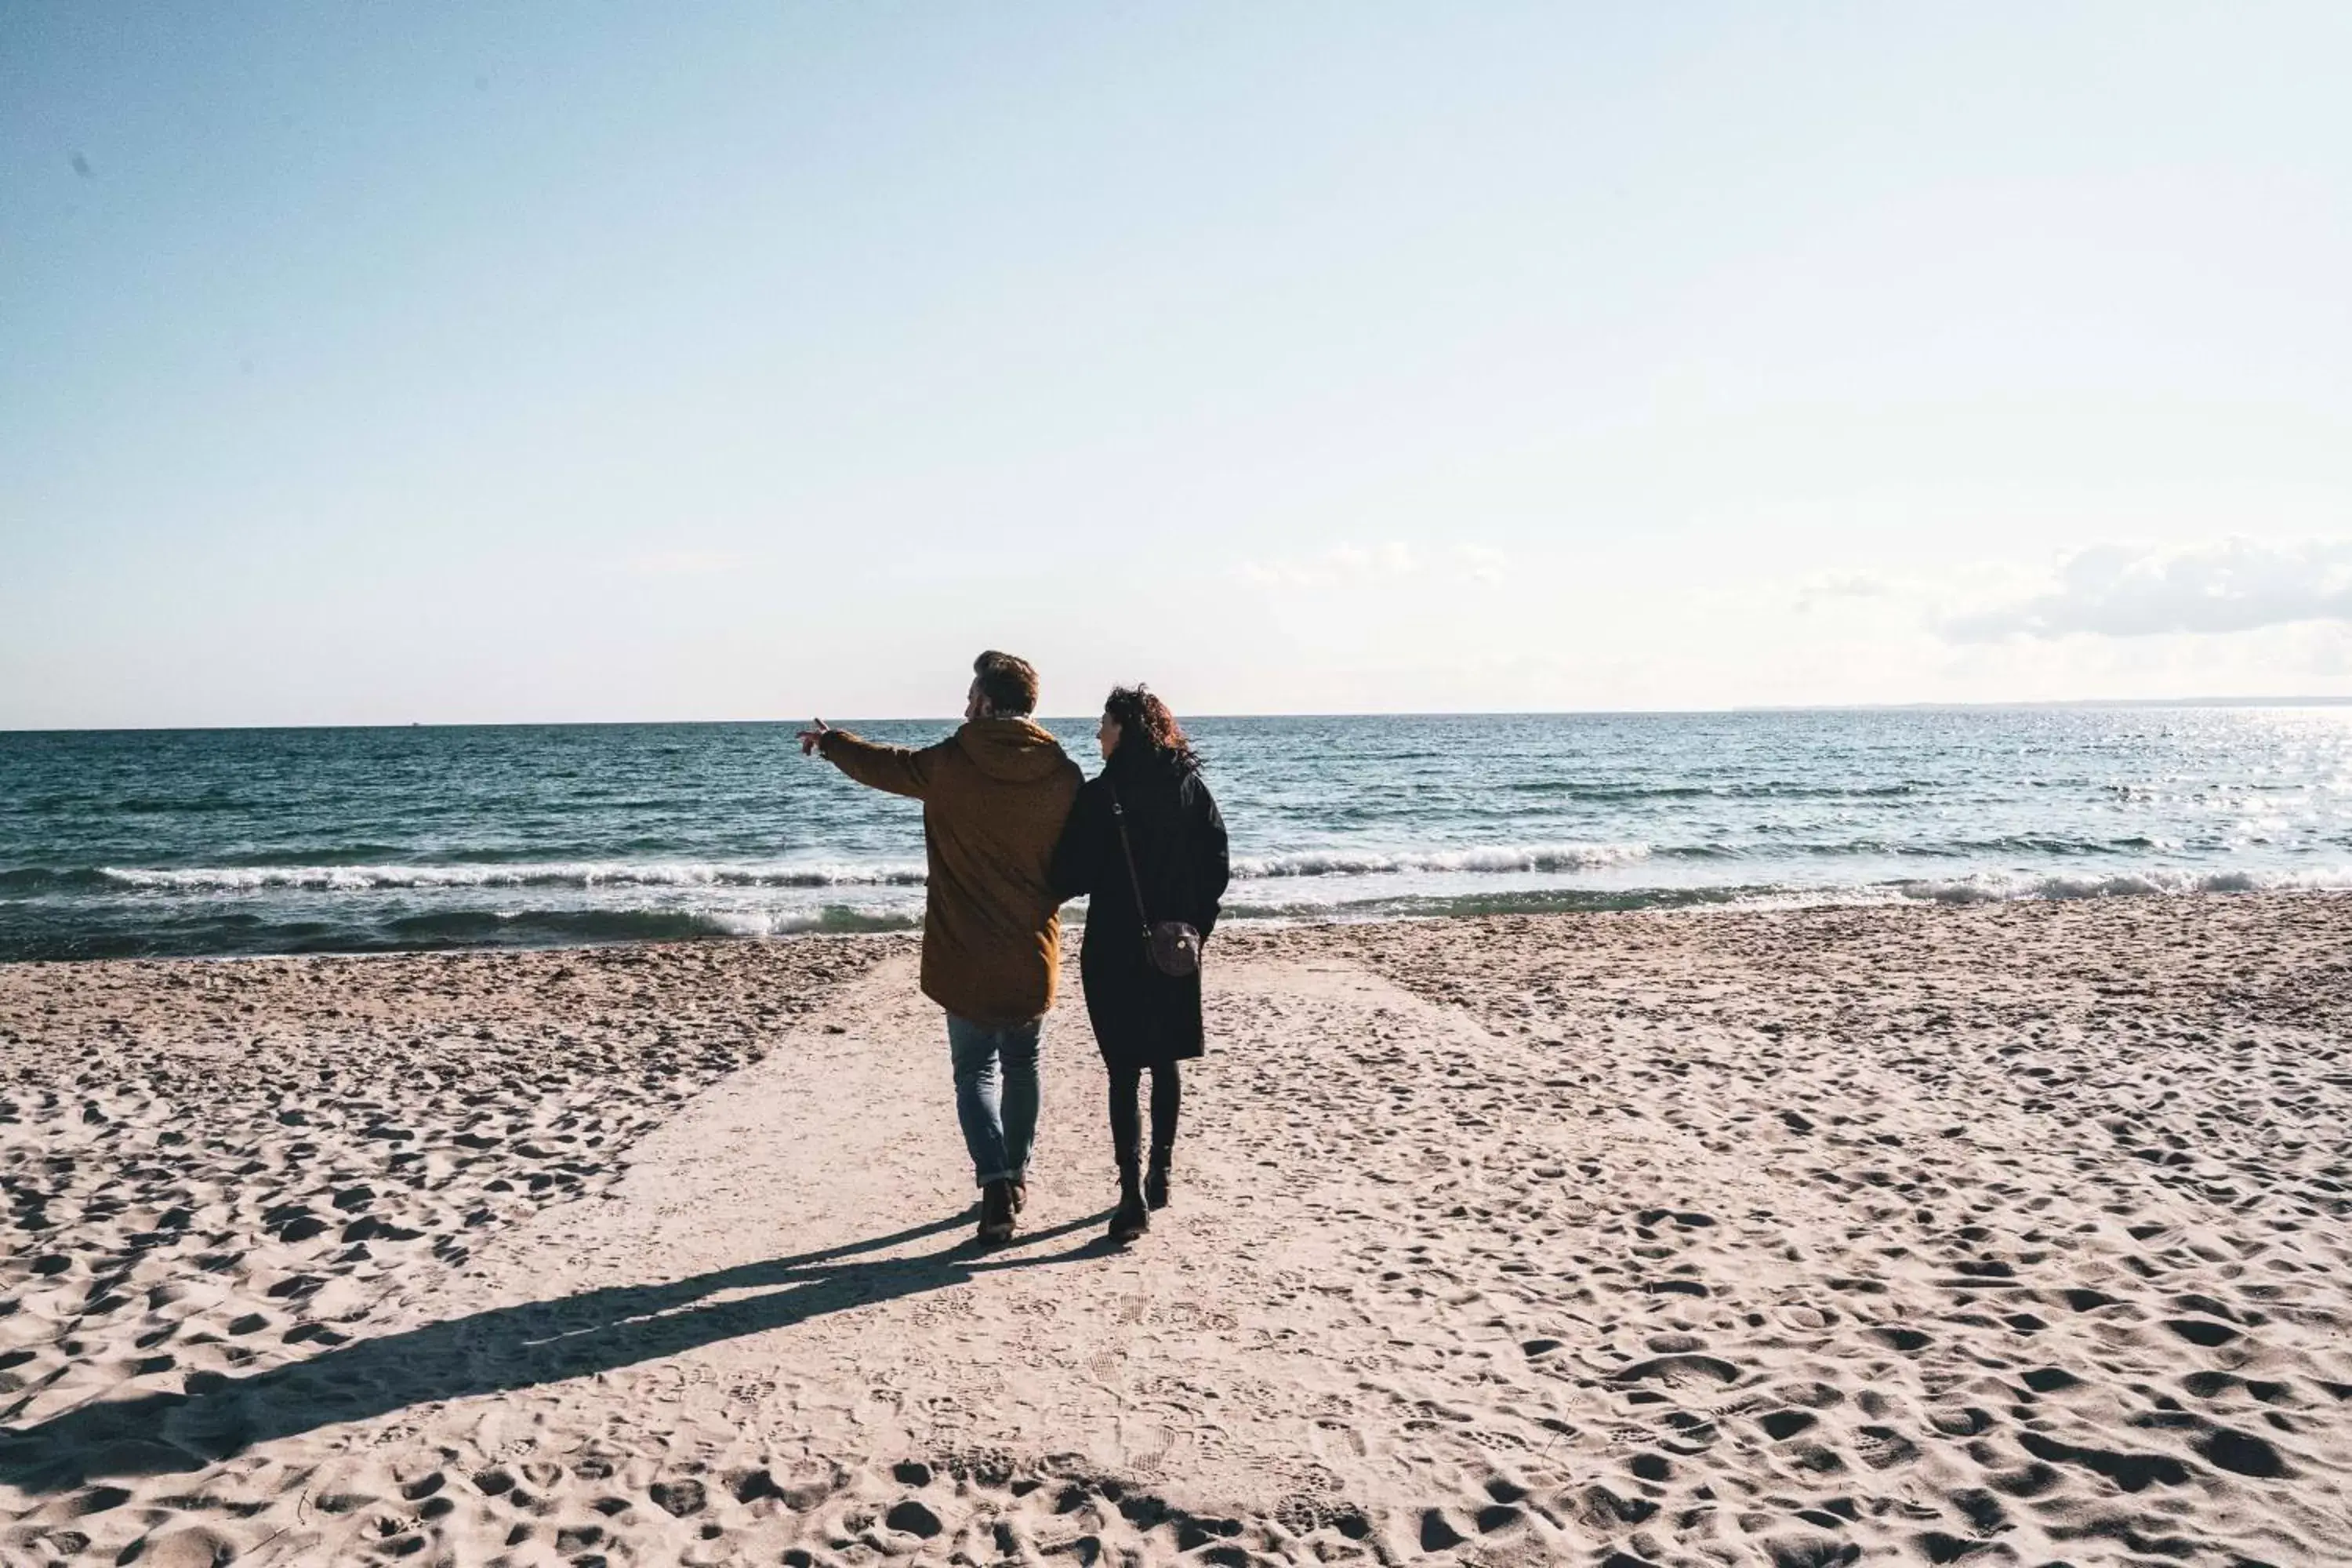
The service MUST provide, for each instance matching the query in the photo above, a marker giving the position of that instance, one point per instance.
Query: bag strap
(1126, 847)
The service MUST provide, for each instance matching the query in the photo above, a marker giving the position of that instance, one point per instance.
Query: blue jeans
(1000, 1119)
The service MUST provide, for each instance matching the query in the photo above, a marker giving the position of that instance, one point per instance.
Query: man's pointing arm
(893, 768)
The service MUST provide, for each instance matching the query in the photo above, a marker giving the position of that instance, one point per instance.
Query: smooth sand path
(779, 1311)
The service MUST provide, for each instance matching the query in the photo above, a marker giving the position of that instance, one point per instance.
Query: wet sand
(2005, 1235)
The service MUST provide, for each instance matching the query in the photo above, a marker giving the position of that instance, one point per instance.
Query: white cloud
(1366, 565)
(2132, 591)
(1481, 564)
(1829, 586)
(682, 562)
(1342, 566)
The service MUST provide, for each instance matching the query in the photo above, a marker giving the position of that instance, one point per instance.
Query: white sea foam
(778, 898)
(1490, 858)
(519, 874)
(1996, 887)
(1330, 902)
(760, 922)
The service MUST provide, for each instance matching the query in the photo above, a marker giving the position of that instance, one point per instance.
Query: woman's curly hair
(1143, 718)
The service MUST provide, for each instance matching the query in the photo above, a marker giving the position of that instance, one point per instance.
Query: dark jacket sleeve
(893, 768)
(1214, 867)
(1077, 855)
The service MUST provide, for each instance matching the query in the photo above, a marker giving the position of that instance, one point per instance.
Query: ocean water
(252, 841)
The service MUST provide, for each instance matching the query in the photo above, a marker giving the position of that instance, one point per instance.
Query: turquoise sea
(253, 841)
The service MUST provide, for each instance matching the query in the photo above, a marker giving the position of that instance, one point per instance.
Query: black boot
(1132, 1218)
(1155, 1185)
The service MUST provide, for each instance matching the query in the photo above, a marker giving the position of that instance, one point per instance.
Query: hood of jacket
(1012, 750)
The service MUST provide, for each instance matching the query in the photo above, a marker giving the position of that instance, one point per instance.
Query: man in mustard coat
(995, 794)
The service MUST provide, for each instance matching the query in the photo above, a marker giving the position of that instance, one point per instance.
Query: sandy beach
(2009, 1234)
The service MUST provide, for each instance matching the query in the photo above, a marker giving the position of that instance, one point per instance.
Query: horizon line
(2043, 703)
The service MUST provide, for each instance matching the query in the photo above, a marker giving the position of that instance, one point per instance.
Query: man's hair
(1008, 684)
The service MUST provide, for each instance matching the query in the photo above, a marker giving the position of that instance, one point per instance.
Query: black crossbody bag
(1175, 947)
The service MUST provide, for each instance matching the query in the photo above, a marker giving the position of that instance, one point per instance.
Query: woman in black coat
(1143, 1019)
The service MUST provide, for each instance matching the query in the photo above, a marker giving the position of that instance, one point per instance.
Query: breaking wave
(1271, 902)
(1494, 858)
(550, 874)
(2005, 887)
(1977, 887)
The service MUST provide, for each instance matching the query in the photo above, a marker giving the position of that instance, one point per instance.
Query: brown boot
(996, 1211)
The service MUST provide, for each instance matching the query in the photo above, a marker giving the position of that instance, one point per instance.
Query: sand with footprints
(2014, 1233)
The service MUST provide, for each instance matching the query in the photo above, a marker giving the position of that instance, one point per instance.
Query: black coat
(1140, 1015)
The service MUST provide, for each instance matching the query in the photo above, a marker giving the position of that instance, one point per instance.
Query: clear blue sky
(540, 362)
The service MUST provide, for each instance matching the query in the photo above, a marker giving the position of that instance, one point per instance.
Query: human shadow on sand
(505, 1348)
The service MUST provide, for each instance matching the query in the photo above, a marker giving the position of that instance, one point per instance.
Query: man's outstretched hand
(811, 739)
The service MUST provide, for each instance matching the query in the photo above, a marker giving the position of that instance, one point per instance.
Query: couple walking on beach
(1013, 829)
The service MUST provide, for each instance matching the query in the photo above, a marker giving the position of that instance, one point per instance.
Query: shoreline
(1700, 903)
(2009, 1232)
